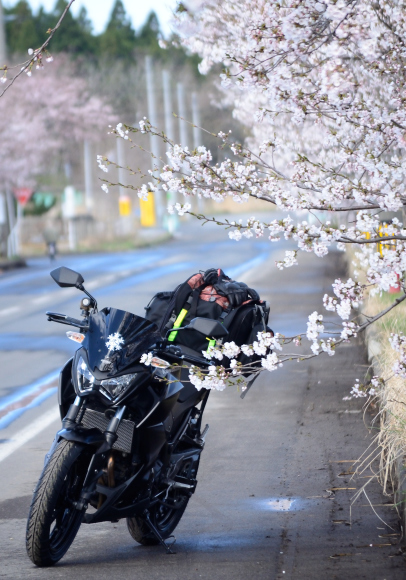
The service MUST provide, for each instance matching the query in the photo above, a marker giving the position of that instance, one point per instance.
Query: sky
(99, 10)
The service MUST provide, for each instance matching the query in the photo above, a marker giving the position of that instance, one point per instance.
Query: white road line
(11, 310)
(42, 299)
(28, 433)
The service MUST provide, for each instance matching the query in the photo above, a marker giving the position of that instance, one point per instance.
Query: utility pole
(182, 113)
(124, 201)
(3, 55)
(88, 176)
(170, 133)
(197, 132)
(166, 82)
(197, 136)
(11, 242)
(154, 143)
(183, 132)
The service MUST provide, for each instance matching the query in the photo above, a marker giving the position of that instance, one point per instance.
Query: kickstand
(157, 534)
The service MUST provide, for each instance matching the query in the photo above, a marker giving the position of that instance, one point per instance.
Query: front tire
(54, 521)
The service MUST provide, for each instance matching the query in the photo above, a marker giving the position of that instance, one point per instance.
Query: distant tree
(118, 40)
(149, 34)
(75, 36)
(40, 116)
(21, 29)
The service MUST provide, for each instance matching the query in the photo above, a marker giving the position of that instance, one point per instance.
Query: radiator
(94, 419)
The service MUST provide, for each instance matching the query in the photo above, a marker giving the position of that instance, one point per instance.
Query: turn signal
(159, 362)
(76, 336)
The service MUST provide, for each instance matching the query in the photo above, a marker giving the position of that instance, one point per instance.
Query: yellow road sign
(147, 209)
(124, 205)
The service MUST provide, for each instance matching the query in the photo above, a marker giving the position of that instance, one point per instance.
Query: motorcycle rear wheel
(54, 521)
(164, 518)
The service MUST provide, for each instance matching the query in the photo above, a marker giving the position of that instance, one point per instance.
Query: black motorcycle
(131, 435)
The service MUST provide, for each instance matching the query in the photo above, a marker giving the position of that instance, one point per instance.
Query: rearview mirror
(208, 327)
(65, 277)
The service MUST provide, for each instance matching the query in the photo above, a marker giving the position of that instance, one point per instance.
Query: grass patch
(392, 398)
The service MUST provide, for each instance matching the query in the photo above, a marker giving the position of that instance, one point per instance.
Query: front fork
(106, 442)
(98, 461)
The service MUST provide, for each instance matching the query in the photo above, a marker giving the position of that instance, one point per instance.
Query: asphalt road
(274, 492)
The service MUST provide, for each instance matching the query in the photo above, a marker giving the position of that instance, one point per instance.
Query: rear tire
(165, 520)
(140, 532)
(53, 521)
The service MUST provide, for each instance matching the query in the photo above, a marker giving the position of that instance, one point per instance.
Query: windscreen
(116, 339)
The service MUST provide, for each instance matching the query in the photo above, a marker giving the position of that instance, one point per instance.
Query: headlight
(118, 385)
(84, 379)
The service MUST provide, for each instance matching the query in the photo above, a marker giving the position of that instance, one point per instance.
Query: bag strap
(260, 310)
(189, 306)
(228, 316)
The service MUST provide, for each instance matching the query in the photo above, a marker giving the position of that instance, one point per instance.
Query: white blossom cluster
(398, 343)
(349, 329)
(181, 209)
(265, 341)
(369, 390)
(288, 261)
(146, 358)
(349, 294)
(100, 162)
(215, 378)
(218, 377)
(314, 329)
(314, 326)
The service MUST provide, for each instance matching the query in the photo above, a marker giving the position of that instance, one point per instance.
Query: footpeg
(202, 438)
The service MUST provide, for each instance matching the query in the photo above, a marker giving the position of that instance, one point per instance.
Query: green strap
(211, 343)
(177, 324)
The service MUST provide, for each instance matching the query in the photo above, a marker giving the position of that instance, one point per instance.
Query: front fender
(79, 434)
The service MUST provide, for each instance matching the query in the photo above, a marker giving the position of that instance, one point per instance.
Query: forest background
(94, 80)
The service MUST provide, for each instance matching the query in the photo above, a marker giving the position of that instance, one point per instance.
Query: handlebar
(65, 319)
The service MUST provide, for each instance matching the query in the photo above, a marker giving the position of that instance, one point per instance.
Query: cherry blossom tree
(40, 117)
(321, 86)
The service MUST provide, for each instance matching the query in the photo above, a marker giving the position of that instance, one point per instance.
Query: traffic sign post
(23, 194)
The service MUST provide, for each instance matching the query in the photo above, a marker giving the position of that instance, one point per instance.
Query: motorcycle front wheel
(54, 521)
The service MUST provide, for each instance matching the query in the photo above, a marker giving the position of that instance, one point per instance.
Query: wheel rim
(164, 515)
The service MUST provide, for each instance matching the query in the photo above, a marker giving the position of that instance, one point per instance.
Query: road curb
(400, 493)
(7, 265)
(399, 465)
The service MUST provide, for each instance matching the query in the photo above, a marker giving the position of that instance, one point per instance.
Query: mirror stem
(81, 287)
